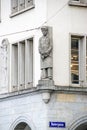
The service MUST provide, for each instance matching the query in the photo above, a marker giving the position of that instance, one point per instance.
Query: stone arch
(25, 120)
(81, 121)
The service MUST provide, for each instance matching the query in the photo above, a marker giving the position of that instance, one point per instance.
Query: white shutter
(29, 63)
(21, 4)
(14, 5)
(29, 3)
(14, 62)
(21, 65)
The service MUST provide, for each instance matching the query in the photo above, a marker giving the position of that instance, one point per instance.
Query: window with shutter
(22, 65)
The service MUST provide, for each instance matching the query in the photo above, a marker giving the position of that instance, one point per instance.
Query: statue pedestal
(46, 84)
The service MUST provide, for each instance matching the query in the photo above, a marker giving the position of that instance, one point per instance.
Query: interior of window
(75, 60)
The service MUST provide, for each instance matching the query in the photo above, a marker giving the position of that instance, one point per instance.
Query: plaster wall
(65, 20)
(30, 19)
(68, 108)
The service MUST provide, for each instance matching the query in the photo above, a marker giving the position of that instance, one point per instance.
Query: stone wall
(30, 108)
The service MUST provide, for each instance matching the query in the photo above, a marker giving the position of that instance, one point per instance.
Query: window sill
(77, 3)
(22, 11)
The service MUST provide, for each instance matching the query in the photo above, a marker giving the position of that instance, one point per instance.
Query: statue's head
(44, 30)
(5, 43)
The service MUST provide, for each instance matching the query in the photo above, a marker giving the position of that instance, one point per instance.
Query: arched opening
(22, 126)
(80, 123)
(82, 126)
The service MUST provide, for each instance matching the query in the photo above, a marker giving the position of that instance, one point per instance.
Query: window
(22, 65)
(81, 3)
(18, 6)
(76, 0)
(75, 60)
(78, 60)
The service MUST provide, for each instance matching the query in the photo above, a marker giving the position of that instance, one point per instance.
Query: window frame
(27, 84)
(82, 65)
(23, 10)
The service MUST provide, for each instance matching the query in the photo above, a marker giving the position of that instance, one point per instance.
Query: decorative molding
(4, 51)
(46, 97)
(77, 121)
(26, 119)
(39, 90)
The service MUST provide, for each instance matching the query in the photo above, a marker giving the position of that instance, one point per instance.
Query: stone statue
(45, 50)
(3, 61)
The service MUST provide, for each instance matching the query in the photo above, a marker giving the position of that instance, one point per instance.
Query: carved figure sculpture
(3, 61)
(45, 50)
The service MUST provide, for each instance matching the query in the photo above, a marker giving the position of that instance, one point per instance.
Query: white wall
(28, 20)
(65, 20)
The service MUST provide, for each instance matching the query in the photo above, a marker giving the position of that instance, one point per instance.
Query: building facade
(28, 102)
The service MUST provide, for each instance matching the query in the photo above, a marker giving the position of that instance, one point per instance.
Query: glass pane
(75, 61)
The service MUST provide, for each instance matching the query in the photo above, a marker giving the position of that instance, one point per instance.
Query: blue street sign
(57, 124)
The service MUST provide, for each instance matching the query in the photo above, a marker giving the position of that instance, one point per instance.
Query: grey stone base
(46, 84)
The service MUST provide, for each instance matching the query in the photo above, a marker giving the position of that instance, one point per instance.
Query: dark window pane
(75, 61)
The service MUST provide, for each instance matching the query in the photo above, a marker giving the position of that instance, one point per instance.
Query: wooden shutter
(29, 3)
(14, 5)
(21, 4)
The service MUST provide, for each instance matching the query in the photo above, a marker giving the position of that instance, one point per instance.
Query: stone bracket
(46, 86)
